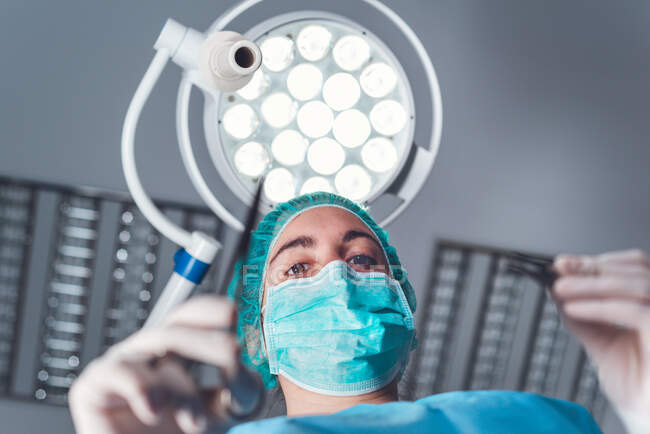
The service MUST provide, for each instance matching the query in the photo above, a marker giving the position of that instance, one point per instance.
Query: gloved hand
(136, 388)
(605, 302)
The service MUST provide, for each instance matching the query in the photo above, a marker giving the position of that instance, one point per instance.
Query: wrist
(635, 422)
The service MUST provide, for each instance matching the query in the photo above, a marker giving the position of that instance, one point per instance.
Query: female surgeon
(325, 311)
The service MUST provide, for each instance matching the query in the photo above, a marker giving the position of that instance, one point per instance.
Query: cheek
(273, 276)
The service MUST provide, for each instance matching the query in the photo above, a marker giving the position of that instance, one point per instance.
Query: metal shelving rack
(16, 207)
(79, 272)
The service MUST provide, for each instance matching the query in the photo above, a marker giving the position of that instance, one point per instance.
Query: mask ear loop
(263, 337)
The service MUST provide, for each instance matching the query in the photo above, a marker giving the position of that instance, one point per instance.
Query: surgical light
(289, 147)
(251, 159)
(353, 181)
(378, 80)
(325, 156)
(326, 88)
(277, 53)
(240, 121)
(351, 52)
(305, 81)
(314, 42)
(341, 91)
(379, 154)
(351, 128)
(315, 119)
(388, 117)
(278, 109)
(279, 185)
(316, 183)
(256, 87)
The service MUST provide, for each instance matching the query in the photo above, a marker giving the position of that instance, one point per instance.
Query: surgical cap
(246, 287)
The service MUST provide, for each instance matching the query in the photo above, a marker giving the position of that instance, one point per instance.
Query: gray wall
(545, 140)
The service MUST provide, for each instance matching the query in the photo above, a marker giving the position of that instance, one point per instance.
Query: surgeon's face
(319, 236)
(314, 239)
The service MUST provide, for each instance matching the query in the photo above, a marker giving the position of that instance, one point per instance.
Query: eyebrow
(351, 235)
(307, 241)
(301, 241)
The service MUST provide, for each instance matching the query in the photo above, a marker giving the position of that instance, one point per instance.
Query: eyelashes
(297, 269)
(363, 260)
(301, 269)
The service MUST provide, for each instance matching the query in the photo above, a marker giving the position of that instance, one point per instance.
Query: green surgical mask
(340, 332)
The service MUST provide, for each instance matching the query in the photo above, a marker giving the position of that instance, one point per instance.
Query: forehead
(321, 223)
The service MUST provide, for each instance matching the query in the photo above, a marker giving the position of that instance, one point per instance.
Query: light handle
(191, 265)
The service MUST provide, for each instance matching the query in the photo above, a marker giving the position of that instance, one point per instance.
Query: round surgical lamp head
(331, 108)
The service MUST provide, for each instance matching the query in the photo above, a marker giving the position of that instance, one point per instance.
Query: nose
(325, 254)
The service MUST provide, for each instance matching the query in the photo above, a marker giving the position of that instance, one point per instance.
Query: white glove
(605, 302)
(124, 392)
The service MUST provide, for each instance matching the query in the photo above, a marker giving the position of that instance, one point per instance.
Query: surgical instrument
(246, 390)
(535, 267)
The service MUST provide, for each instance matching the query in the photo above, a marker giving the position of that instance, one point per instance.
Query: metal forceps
(244, 393)
(244, 242)
(242, 396)
(534, 267)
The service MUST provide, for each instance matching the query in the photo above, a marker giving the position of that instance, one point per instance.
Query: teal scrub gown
(464, 412)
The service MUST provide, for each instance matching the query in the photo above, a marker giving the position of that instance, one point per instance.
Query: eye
(364, 261)
(297, 269)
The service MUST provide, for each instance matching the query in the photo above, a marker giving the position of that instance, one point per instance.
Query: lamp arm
(214, 61)
(199, 249)
(150, 211)
(224, 61)
(187, 154)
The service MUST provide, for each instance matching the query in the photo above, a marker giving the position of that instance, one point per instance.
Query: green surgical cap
(247, 284)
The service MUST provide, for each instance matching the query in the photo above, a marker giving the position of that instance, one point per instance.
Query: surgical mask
(339, 332)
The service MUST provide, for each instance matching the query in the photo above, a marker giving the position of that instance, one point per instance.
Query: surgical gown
(453, 412)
